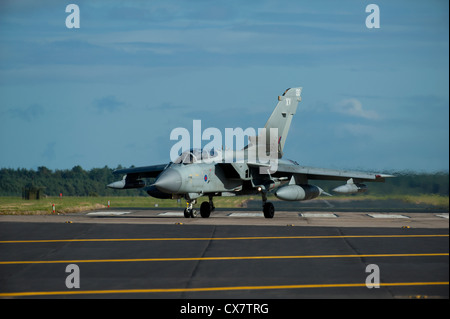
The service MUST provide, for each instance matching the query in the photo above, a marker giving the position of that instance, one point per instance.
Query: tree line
(80, 182)
(68, 182)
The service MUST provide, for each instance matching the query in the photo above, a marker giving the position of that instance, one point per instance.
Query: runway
(157, 254)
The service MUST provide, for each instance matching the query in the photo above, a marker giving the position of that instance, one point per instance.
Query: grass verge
(17, 205)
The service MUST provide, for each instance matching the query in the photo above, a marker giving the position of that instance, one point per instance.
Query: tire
(205, 209)
(187, 213)
(268, 210)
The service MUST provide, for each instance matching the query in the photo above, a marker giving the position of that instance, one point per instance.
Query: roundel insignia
(206, 178)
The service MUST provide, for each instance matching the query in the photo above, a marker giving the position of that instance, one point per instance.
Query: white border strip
(171, 214)
(246, 215)
(112, 213)
(318, 215)
(387, 216)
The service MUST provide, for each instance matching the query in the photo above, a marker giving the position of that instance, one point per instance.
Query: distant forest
(80, 182)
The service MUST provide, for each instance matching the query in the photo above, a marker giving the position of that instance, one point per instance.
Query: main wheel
(268, 210)
(205, 209)
(187, 213)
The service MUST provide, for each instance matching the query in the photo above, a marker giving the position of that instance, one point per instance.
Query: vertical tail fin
(282, 116)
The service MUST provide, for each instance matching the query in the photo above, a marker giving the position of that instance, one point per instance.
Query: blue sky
(110, 92)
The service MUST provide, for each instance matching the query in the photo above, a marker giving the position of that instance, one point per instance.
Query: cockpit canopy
(195, 155)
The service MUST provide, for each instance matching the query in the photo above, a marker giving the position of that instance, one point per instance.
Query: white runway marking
(107, 213)
(246, 215)
(387, 216)
(318, 215)
(172, 214)
(443, 215)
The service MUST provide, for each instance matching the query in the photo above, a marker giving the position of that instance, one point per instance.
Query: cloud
(108, 103)
(29, 113)
(354, 107)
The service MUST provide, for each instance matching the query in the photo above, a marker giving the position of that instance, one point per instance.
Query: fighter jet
(198, 172)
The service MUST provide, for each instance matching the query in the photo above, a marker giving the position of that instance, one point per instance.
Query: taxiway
(148, 253)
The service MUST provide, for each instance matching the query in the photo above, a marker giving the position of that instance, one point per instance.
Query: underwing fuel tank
(127, 184)
(350, 188)
(298, 192)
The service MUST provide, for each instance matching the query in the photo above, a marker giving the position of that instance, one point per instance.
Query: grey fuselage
(198, 179)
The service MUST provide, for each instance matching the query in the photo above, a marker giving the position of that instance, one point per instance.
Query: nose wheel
(189, 211)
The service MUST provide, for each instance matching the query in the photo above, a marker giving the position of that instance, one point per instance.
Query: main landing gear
(205, 209)
(268, 208)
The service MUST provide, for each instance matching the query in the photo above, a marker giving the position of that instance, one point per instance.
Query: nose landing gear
(189, 211)
(205, 209)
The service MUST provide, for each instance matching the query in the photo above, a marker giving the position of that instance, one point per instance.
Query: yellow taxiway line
(213, 258)
(212, 289)
(207, 238)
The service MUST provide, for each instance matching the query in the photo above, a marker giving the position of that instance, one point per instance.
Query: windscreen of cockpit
(195, 156)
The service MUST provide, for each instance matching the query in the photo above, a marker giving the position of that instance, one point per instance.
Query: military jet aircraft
(199, 173)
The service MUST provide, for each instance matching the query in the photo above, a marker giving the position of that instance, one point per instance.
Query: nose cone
(169, 181)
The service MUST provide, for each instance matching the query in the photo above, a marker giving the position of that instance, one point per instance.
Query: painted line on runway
(208, 238)
(212, 289)
(245, 215)
(172, 214)
(318, 215)
(213, 258)
(382, 215)
(109, 213)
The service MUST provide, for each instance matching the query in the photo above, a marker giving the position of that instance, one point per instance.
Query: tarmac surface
(157, 253)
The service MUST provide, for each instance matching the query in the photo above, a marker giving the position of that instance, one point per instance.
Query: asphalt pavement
(116, 258)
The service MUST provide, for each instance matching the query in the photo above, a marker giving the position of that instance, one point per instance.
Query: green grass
(435, 200)
(16, 205)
